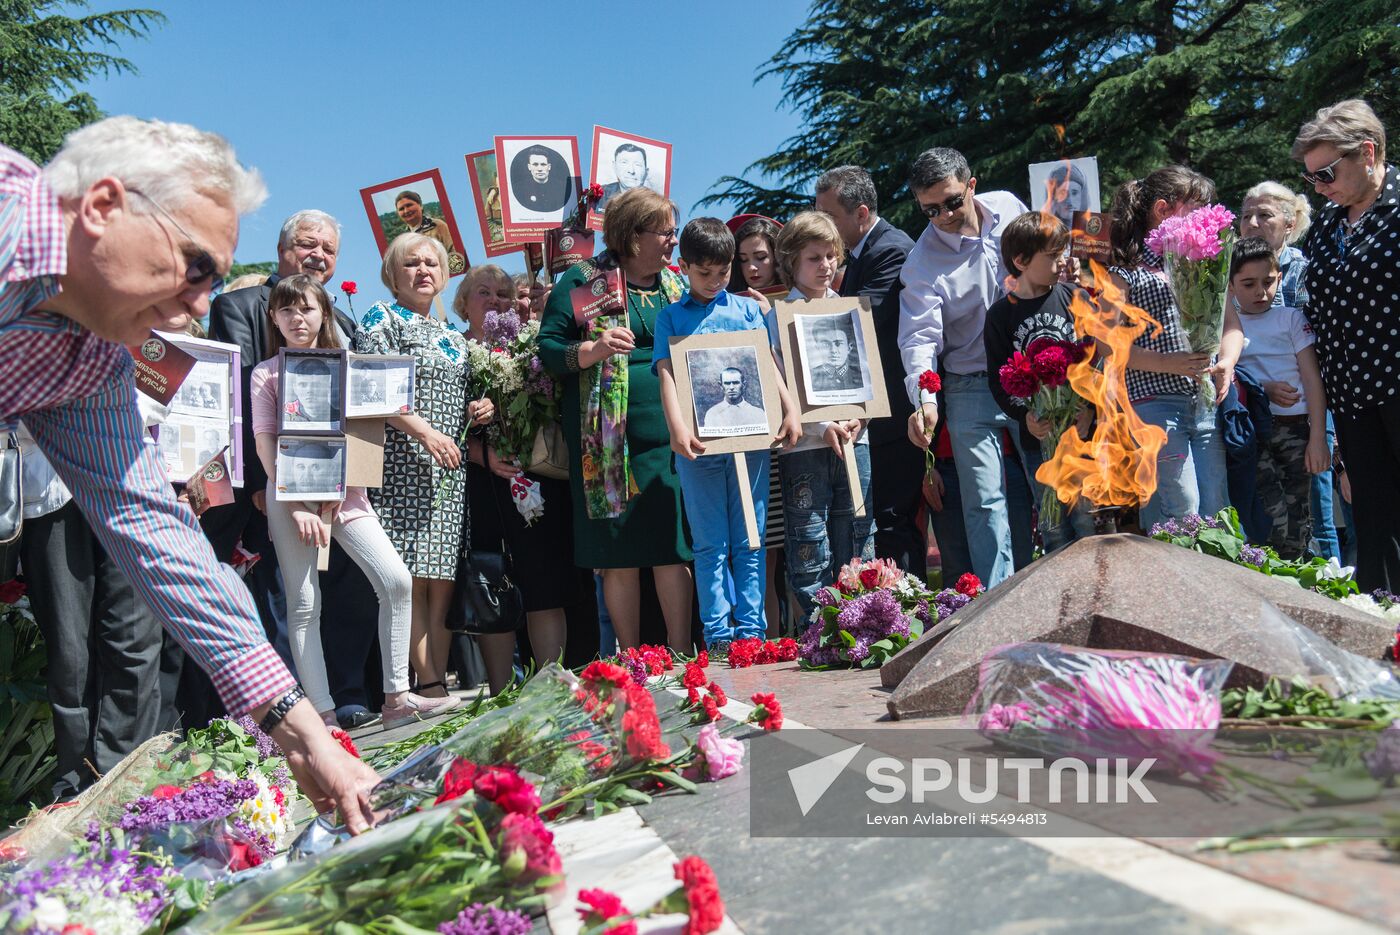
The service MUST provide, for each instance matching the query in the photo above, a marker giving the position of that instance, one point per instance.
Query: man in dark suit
(309, 243)
(877, 252)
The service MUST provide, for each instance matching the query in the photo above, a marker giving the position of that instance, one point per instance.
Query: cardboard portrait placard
(822, 389)
(311, 468)
(1067, 186)
(539, 182)
(364, 453)
(486, 193)
(419, 203)
(565, 246)
(728, 414)
(1090, 237)
(204, 414)
(311, 391)
(380, 385)
(622, 161)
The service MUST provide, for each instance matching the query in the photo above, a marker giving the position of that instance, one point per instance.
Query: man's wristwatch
(280, 709)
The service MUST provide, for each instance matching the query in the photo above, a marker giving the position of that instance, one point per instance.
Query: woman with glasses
(1353, 283)
(627, 501)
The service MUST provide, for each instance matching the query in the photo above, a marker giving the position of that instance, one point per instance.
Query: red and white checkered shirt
(76, 395)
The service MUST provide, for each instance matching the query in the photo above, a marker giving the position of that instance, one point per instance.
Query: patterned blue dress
(421, 505)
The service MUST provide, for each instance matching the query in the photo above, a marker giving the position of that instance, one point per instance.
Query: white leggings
(365, 542)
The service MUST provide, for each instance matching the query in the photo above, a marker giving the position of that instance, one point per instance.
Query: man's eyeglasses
(948, 207)
(671, 234)
(1326, 175)
(202, 266)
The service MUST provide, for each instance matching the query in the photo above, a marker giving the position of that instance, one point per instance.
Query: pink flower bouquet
(1195, 251)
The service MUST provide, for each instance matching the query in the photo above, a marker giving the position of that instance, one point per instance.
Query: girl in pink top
(299, 313)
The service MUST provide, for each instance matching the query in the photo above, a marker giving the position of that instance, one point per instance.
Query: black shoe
(353, 716)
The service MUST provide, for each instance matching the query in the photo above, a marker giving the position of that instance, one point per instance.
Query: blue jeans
(1074, 524)
(607, 637)
(725, 564)
(1324, 530)
(823, 532)
(1190, 466)
(975, 425)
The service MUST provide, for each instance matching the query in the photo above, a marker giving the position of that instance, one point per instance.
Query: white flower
(49, 913)
(1364, 603)
(1335, 569)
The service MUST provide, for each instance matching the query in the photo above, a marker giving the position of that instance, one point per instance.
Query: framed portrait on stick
(623, 161)
(415, 203)
(539, 179)
(727, 385)
(311, 468)
(1065, 186)
(486, 192)
(311, 391)
(380, 385)
(833, 366)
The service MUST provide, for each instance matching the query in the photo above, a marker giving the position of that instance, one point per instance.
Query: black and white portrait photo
(379, 385)
(834, 366)
(1067, 185)
(540, 184)
(199, 395)
(727, 393)
(210, 442)
(624, 161)
(312, 392)
(311, 469)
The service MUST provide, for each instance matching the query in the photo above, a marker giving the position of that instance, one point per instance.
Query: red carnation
(527, 847)
(11, 591)
(930, 381)
(706, 909)
(599, 672)
(744, 653)
(1017, 377)
(692, 696)
(457, 781)
(345, 742)
(767, 712)
(710, 708)
(504, 786)
(721, 698)
(1050, 365)
(703, 659)
(694, 676)
(640, 726)
(1038, 345)
(968, 584)
(786, 650)
(349, 288)
(598, 906)
(595, 193)
(165, 792)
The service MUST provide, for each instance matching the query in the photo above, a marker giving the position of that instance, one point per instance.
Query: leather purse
(11, 506)
(486, 599)
(549, 456)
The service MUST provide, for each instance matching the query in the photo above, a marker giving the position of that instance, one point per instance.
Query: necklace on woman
(635, 302)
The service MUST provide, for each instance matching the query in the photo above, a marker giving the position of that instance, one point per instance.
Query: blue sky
(326, 98)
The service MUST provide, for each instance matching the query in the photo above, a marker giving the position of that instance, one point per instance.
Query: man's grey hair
(853, 186)
(167, 162)
(936, 164)
(311, 217)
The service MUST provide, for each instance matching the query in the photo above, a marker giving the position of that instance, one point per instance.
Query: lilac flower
(500, 328)
(479, 919)
(1253, 555)
(827, 597)
(112, 892)
(199, 802)
(948, 602)
(637, 668)
(267, 747)
(1189, 525)
(1384, 597)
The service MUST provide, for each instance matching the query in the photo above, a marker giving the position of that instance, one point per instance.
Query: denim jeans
(1074, 524)
(823, 532)
(729, 575)
(975, 425)
(1190, 466)
(1324, 528)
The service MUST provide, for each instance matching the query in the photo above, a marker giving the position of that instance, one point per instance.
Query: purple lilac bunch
(500, 328)
(109, 891)
(948, 602)
(1189, 525)
(480, 919)
(217, 798)
(267, 747)
(1253, 555)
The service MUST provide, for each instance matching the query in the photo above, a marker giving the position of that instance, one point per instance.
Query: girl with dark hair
(1163, 371)
(299, 312)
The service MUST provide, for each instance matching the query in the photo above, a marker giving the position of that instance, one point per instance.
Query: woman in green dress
(627, 501)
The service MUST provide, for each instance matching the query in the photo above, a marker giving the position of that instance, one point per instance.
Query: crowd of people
(131, 224)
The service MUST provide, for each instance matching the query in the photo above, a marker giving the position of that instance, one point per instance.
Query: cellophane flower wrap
(1059, 700)
(505, 366)
(1039, 380)
(1195, 251)
(872, 612)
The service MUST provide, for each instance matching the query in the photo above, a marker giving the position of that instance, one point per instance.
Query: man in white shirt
(952, 276)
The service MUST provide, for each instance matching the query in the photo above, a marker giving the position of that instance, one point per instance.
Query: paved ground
(985, 884)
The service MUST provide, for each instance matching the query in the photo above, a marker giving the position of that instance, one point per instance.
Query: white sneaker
(416, 708)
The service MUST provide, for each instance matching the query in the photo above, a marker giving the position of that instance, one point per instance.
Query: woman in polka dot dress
(1353, 283)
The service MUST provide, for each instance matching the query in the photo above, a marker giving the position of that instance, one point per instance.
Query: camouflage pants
(1284, 487)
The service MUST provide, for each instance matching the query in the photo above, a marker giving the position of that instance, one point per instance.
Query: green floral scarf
(607, 477)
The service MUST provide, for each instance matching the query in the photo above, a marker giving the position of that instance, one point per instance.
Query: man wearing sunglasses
(125, 231)
(952, 276)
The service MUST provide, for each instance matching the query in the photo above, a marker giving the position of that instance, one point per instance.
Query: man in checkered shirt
(129, 229)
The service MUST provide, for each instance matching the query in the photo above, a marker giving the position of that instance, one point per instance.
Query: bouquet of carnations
(1039, 380)
(505, 366)
(872, 612)
(1195, 251)
(1089, 704)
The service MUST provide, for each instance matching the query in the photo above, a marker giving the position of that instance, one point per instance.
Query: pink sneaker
(417, 708)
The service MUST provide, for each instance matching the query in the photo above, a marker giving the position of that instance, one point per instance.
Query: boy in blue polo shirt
(724, 563)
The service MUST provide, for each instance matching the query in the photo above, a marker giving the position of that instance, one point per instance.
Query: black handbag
(487, 600)
(11, 506)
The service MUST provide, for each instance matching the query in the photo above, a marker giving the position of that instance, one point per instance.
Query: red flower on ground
(599, 672)
(504, 786)
(640, 727)
(786, 650)
(710, 708)
(11, 591)
(345, 742)
(930, 381)
(692, 696)
(720, 697)
(527, 847)
(457, 780)
(598, 756)
(598, 906)
(968, 584)
(744, 653)
(349, 288)
(703, 659)
(706, 909)
(767, 712)
(694, 676)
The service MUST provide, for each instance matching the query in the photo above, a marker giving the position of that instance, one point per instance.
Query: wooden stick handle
(848, 450)
(741, 471)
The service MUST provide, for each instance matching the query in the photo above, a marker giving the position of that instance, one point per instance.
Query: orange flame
(1117, 466)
